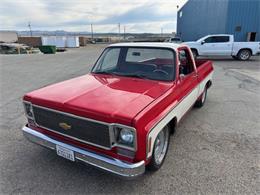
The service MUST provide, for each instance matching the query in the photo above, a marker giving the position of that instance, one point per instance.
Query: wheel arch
(195, 49)
(249, 49)
(208, 84)
(152, 134)
(173, 124)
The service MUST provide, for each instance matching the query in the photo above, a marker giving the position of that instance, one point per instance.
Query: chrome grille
(81, 129)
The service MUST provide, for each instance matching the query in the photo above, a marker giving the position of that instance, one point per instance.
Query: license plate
(65, 153)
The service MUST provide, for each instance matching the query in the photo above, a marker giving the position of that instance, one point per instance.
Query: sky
(137, 16)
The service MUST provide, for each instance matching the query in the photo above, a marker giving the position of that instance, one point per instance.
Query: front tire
(160, 148)
(244, 54)
(195, 53)
(201, 101)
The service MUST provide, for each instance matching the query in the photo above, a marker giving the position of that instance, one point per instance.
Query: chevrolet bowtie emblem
(65, 126)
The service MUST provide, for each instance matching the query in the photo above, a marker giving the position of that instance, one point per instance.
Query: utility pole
(30, 29)
(118, 29)
(161, 32)
(92, 34)
(124, 32)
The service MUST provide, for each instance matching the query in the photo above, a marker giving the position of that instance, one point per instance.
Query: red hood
(101, 97)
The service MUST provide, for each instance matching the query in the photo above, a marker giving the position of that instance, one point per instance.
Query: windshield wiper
(122, 74)
(103, 72)
(133, 75)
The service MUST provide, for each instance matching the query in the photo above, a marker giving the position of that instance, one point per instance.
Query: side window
(217, 39)
(110, 59)
(209, 40)
(222, 39)
(186, 64)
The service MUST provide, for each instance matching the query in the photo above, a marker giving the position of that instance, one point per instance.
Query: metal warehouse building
(198, 18)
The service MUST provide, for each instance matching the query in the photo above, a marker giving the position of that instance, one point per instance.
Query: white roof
(147, 44)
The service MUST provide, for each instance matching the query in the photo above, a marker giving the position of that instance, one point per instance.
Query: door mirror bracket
(181, 77)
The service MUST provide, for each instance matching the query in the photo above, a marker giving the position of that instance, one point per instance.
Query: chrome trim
(134, 148)
(106, 163)
(71, 115)
(26, 102)
(111, 127)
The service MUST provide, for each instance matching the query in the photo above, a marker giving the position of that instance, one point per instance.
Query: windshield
(140, 62)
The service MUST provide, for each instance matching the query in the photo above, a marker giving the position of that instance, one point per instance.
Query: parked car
(173, 40)
(120, 116)
(223, 45)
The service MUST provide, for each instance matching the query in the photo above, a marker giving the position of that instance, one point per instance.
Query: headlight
(126, 136)
(28, 109)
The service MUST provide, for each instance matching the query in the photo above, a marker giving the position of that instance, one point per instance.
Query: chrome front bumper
(112, 165)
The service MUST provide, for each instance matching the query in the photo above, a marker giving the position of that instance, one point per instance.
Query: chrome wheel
(244, 55)
(161, 145)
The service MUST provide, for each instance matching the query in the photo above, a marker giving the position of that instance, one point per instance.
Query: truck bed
(204, 67)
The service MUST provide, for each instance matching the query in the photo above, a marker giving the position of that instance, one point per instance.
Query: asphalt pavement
(214, 150)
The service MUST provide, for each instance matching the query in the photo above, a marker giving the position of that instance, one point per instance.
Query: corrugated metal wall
(243, 13)
(198, 18)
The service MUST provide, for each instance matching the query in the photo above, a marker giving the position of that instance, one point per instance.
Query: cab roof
(147, 44)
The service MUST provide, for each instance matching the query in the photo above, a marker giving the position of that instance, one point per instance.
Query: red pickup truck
(120, 116)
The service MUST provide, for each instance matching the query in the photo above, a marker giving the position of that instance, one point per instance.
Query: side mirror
(202, 42)
(182, 77)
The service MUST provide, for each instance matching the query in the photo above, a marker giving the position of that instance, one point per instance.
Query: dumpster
(48, 49)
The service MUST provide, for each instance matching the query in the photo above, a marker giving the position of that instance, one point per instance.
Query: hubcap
(244, 55)
(161, 144)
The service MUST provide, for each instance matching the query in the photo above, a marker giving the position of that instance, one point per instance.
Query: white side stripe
(177, 112)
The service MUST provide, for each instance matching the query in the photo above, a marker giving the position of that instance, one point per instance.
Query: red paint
(114, 99)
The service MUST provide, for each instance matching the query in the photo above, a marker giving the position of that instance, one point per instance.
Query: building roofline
(183, 5)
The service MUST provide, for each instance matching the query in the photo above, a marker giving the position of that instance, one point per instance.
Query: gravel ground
(214, 150)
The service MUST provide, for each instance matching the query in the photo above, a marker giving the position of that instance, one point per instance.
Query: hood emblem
(65, 126)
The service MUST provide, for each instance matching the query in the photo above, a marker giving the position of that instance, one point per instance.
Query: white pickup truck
(223, 45)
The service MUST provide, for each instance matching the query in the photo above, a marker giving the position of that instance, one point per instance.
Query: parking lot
(214, 150)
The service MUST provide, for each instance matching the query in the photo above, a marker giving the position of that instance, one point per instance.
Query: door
(188, 80)
(216, 45)
(251, 36)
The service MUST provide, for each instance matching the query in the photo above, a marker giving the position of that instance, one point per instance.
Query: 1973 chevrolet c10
(120, 116)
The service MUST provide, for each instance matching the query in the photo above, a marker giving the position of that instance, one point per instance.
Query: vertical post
(161, 32)
(29, 25)
(92, 34)
(118, 29)
(124, 32)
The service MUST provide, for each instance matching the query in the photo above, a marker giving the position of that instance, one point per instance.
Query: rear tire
(244, 54)
(201, 101)
(160, 148)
